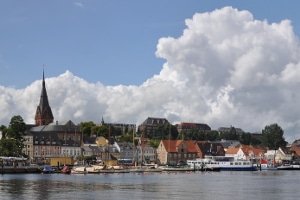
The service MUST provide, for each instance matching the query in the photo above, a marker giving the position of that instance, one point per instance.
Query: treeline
(272, 135)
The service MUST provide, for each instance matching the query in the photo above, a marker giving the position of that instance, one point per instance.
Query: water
(265, 185)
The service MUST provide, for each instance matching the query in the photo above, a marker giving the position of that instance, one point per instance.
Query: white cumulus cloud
(227, 68)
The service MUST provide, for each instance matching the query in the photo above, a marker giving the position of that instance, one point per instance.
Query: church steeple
(43, 115)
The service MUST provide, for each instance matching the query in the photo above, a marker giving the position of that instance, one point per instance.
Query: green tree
(212, 135)
(127, 137)
(272, 136)
(8, 147)
(154, 143)
(86, 128)
(101, 131)
(16, 131)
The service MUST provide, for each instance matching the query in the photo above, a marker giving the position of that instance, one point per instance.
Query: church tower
(43, 115)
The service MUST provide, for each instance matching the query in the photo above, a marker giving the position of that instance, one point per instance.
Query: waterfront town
(155, 141)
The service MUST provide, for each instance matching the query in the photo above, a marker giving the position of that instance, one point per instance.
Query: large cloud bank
(225, 69)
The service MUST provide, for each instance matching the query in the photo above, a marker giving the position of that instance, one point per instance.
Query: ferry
(224, 163)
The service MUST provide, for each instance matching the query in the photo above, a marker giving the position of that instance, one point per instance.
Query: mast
(169, 145)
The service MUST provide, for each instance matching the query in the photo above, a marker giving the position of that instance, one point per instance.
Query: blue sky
(220, 62)
(107, 41)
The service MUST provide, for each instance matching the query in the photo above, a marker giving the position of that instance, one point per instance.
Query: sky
(220, 62)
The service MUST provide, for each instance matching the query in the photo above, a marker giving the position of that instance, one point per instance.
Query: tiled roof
(232, 150)
(171, 145)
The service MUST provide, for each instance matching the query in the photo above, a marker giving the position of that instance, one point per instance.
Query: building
(145, 152)
(125, 128)
(43, 114)
(151, 125)
(238, 131)
(210, 149)
(46, 139)
(186, 126)
(172, 152)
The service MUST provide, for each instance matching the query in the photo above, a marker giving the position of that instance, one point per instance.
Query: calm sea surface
(265, 185)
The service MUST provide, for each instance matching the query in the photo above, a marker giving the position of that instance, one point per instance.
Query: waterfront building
(145, 152)
(172, 152)
(47, 139)
(207, 148)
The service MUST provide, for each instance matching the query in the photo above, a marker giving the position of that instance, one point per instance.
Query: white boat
(224, 163)
(79, 170)
(204, 164)
(291, 165)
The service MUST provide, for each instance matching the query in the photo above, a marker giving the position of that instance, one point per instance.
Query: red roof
(171, 145)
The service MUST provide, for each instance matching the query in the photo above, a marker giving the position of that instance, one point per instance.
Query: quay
(19, 169)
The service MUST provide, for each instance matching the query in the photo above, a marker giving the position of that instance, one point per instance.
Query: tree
(16, 131)
(100, 131)
(272, 137)
(3, 130)
(86, 128)
(8, 147)
(11, 143)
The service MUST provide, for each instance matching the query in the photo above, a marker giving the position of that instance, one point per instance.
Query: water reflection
(214, 185)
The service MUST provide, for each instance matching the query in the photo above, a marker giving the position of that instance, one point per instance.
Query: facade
(150, 126)
(128, 151)
(172, 152)
(56, 140)
(28, 146)
(145, 153)
(208, 148)
(245, 152)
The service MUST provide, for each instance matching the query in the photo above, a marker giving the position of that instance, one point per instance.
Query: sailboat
(145, 168)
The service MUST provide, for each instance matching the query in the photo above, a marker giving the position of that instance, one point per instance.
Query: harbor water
(264, 185)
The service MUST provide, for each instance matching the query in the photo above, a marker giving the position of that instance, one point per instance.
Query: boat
(267, 165)
(79, 170)
(47, 170)
(145, 169)
(66, 170)
(222, 163)
(203, 164)
(289, 165)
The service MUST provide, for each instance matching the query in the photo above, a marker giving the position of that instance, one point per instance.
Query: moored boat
(222, 163)
(290, 165)
(146, 169)
(66, 170)
(47, 170)
(79, 170)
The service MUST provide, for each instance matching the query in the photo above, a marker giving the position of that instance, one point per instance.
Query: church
(47, 139)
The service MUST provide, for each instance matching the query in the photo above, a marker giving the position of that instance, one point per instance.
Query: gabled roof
(232, 150)
(208, 148)
(171, 145)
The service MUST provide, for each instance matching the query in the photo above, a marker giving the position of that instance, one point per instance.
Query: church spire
(43, 115)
